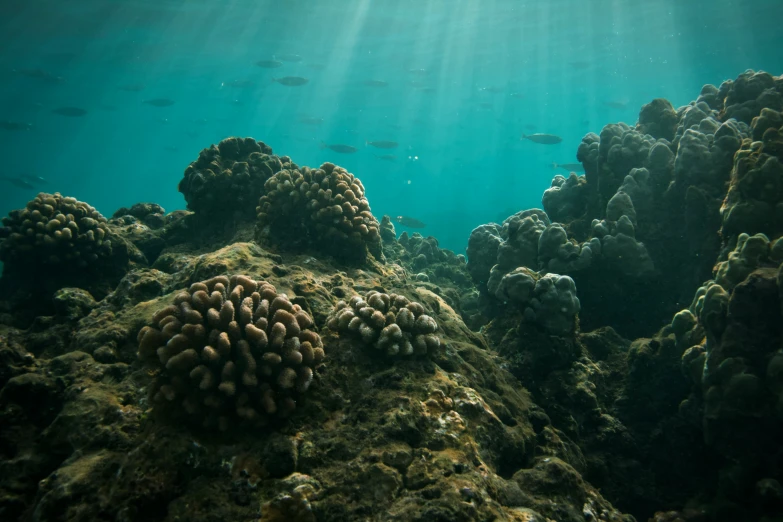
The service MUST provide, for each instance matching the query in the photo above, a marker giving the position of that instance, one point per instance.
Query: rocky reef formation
(447, 436)
(640, 224)
(324, 208)
(438, 269)
(510, 388)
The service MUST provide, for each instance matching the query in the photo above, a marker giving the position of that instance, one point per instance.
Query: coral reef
(323, 208)
(754, 202)
(447, 436)
(231, 348)
(57, 242)
(654, 390)
(549, 301)
(228, 178)
(566, 200)
(642, 219)
(143, 225)
(54, 231)
(389, 323)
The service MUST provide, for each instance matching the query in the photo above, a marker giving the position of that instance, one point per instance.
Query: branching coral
(231, 348)
(54, 231)
(227, 179)
(324, 207)
(390, 323)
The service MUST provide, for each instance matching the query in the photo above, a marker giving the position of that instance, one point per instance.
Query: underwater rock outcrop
(227, 179)
(231, 348)
(549, 301)
(322, 208)
(643, 219)
(448, 436)
(389, 323)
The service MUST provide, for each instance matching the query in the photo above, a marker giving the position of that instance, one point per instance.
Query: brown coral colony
(328, 203)
(231, 348)
(388, 322)
(54, 230)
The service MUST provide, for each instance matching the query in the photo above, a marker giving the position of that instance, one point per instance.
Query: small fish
(18, 182)
(375, 83)
(170, 148)
(33, 179)
(517, 95)
(616, 104)
(410, 222)
(71, 112)
(291, 81)
(163, 121)
(416, 83)
(418, 72)
(570, 167)
(239, 84)
(386, 157)
(316, 66)
(159, 102)
(308, 120)
(382, 144)
(492, 89)
(40, 74)
(289, 57)
(427, 90)
(238, 103)
(134, 87)
(200, 121)
(269, 64)
(486, 105)
(15, 125)
(543, 139)
(342, 149)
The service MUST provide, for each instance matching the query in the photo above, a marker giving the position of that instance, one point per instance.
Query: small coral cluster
(390, 323)
(324, 207)
(54, 231)
(228, 178)
(231, 348)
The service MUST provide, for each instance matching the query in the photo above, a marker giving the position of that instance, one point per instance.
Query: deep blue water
(545, 66)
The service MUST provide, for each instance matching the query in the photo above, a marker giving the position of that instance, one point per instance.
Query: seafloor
(276, 353)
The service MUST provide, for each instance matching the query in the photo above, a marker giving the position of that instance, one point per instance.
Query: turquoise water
(464, 80)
